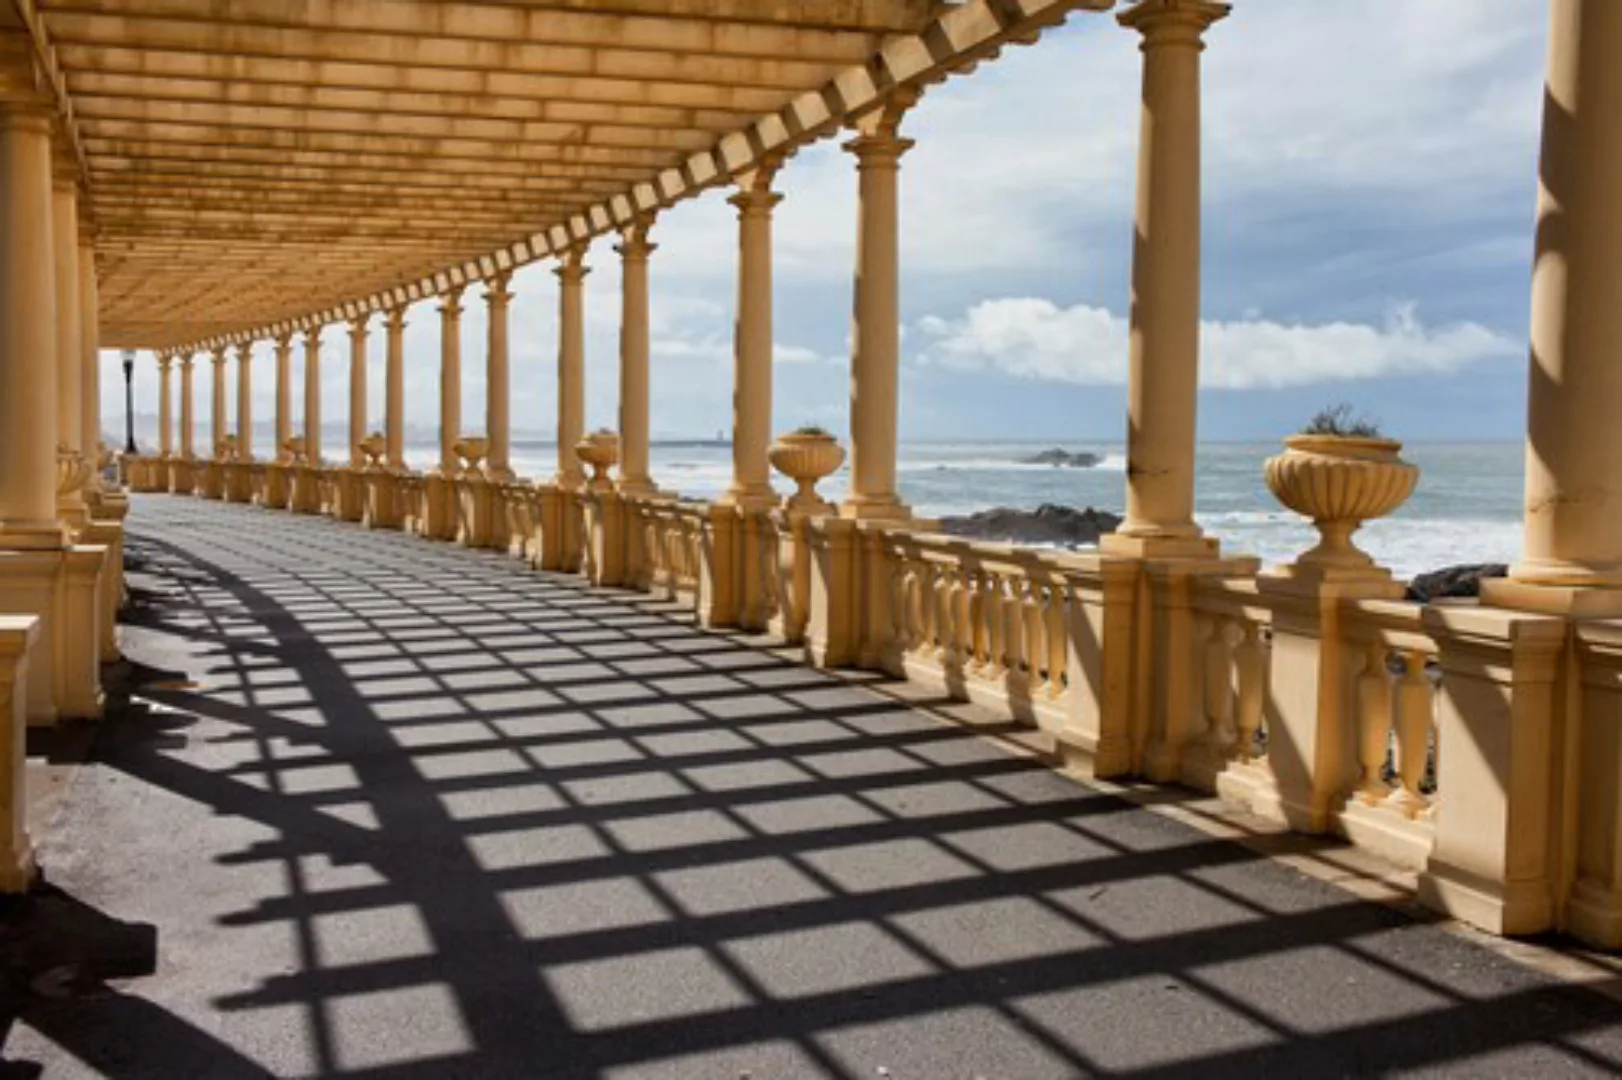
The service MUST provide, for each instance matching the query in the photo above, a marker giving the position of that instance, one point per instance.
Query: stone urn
(295, 448)
(1340, 481)
(373, 448)
(72, 471)
(226, 448)
(471, 449)
(806, 457)
(601, 451)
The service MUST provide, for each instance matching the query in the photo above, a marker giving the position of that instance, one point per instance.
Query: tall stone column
(497, 409)
(1165, 318)
(357, 390)
(217, 423)
(571, 365)
(69, 361)
(284, 393)
(245, 400)
(634, 249)
(312, 395)
(1573, 512)
(89, 349)
(751, 486)
(166, 398)
(27, 331)
(188, 421)
(876, 330)
(450, 379)
(395, 388)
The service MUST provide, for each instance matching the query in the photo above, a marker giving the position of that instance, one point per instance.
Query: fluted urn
(806, 457)
(601, 451)
(72, 471)
(1340, 482)
(296, 448)
(472, 450)
(372, 448)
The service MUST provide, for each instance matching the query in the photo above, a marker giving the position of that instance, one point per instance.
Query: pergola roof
(257, 165)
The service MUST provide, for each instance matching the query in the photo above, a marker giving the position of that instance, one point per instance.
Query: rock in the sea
(1062, 459)
(1452, 582)
(1047, 524)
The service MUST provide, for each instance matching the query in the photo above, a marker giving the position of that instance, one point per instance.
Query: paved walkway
(392, 808)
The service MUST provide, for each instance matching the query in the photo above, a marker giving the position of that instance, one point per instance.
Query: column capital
(496, 293)
(244, 351)
(634, 243)
(186, 359)
(396, 318)
(755, 195)
(358, 325)
(450, 302)
(221, 352)
(284, 340)
(165, 360)
(1173, 22)
(572, 268)
(312, 336)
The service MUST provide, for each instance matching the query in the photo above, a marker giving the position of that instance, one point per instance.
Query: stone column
(571, 365)
(357, 390)
(634, 250)
(395, 388)
(1165, 318)
(312, 395)
(27, 331)
(450, 379)
(89, 351)
(876, 333)
(751, 486)
(165, 410)
(69, 361)
(1573, 512)
(188, 423)
(217, 424)
(284, 393)
(497, 424)
(245, 400)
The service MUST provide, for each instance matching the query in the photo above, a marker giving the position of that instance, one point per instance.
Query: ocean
(1466, 509)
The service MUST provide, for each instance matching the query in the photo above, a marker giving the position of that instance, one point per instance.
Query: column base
(875, 508)
(1151, 546)
(1597, 601)
(62, 587)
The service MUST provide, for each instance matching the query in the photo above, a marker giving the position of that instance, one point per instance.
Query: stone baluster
(1373, 723)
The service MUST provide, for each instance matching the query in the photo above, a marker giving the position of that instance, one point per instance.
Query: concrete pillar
(634, 250)
(89, 350)
(395, 389)
(751, 486)
(357, 390)
(217, 422)
(1573, 523)
(497, 424)
(27, 329)
(571, 366)
(284, 393)
(450, 378)
(245, 400)
(69, 361)
(188, 421)
(876, 331)
(165, 406)
(1165, 319)
(312, 395)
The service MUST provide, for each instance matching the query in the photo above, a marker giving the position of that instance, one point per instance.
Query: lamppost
(129, 402)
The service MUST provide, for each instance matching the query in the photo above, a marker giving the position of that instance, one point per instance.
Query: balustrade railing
(664, 538)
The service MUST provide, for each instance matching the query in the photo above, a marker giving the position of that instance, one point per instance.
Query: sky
(1369, 186)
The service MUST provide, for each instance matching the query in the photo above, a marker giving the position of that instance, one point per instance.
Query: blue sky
(1369, 188)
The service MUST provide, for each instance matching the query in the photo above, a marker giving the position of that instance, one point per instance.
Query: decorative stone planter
(807, 459)
(372, 448)
(601, 451)
(471, 450)
(1340, 482)
(72, 472)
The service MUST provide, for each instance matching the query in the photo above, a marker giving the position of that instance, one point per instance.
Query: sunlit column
(27, 325)
(634, 249)
(876, 330)
(497, 424)
(312, 394)
(1573, 513)
(395, 389)
(450, 378)
(571, 274)
(89, 348)
(245, 400)
(188, 414)
(217, 428)
(752, 345)
(166, 396)
(69, 363)
(357, 389)
(1165, 316)
(284, 393)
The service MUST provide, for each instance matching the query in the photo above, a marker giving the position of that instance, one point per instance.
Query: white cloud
(1034, 338)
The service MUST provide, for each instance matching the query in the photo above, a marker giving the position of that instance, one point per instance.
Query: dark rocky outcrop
(1047, 524)
(1062, 459)
(1452, 582)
